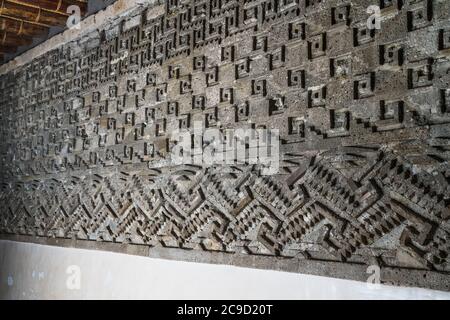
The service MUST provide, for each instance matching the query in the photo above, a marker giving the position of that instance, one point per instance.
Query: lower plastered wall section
(34, 271)
(130, 137)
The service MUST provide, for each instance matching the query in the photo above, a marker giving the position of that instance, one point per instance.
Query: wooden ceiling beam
(32, 13)
(4, 49)
(56, 5)
(21, 27)
(10, 39)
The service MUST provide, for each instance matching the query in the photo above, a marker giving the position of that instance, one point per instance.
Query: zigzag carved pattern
(324, 214)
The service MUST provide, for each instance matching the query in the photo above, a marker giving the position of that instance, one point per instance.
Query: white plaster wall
(30, 271)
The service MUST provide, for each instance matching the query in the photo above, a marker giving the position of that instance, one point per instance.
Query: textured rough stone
(363, 119)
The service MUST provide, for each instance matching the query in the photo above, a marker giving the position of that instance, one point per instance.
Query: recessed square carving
(139, 132)
(161, 92)
(364, 85)
(391, 110)
(242, 112)
(242, 68)
(251, 15)
(277, 105)
(260, 43)
(391, 54)
(81, 130)
(270, 9)
(113, 91)
(286, 5)
(215, 6)
(128, 152)
(362, 35)
(185, 85)
(386, 4)
(297, 30)
(341, 66)
(317, 46)
(96, 97)
(102, 140)
(160, 127)
(131, 86)
(174, 72)
(211, 118)
(200, 9)
(149, 114)
(198, 102)
(129, 118)
(420, 74)
(391, 115)
(339, 122)
(149, 149)
(212, 76)
(312, 3)
(172, 108)
(259, 87)
(198, 35)
(445, 98)
(109, 155)
(228, 53)
(297, 126)
(340, 15)
(277, 58)
(184, 40)
(215, 29)
(317, 96)
(232, 22)
(226, 95)
(444, 39)
(184, 122)
(120, 134)
(199, 63)
(296, 78)
(151, 79)
(420, 16)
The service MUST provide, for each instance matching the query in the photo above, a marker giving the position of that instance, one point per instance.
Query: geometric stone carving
(87, 138)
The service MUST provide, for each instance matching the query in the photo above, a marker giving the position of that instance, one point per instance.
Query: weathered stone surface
(363, 119)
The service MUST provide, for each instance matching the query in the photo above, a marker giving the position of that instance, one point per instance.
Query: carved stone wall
(363, 116)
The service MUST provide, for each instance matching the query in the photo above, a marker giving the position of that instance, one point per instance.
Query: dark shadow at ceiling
(25, 24)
